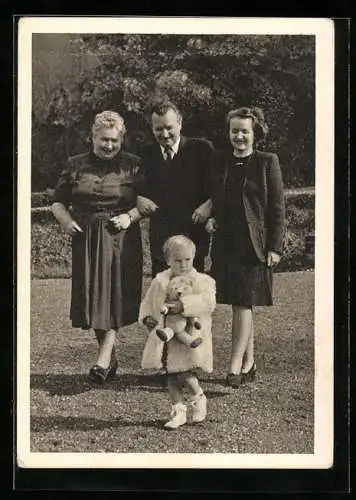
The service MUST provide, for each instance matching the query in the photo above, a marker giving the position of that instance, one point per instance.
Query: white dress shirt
(174, 149)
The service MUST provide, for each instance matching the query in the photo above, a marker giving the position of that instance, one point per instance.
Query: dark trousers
(160, 233)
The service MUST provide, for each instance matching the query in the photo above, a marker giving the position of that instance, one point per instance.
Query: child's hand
(150, 322)
(175, 307)
(165, 309)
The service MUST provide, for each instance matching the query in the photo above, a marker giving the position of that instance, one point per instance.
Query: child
(181, 360)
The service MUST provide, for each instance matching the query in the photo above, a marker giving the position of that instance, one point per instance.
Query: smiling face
(181, 260)
(241, 135)
(166, 128)
(107, 142)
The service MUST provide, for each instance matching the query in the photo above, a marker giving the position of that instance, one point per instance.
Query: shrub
(303, 199)
(298, 218)
(42, 199)
(51, 249)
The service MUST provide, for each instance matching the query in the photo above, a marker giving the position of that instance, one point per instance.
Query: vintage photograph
(175, 304)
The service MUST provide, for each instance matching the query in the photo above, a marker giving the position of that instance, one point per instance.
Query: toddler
(181, 361)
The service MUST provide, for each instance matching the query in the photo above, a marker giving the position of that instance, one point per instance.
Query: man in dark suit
(177, 169)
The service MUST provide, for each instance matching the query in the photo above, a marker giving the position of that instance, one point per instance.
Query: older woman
(102, 186)
(248, 221)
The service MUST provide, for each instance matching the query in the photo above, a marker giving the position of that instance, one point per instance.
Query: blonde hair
(108, 119)
(175, 243)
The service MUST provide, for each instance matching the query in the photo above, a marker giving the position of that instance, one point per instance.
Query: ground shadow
(85, 424)
(72, 384)
(88, 424)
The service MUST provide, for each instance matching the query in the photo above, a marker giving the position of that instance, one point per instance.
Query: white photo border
(323, 30)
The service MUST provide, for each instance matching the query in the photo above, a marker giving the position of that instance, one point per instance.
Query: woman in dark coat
(248, 222)
(102, 186)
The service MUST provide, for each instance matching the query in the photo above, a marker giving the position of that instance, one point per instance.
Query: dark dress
(242, 279)
(106, 266)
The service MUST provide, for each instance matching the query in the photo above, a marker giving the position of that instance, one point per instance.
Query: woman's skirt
(106, 276)
(241, 278)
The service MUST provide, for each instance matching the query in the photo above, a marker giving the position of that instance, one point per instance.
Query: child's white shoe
(178, 416)
(198, 405)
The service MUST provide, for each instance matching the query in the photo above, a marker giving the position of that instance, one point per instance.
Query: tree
(206, 76)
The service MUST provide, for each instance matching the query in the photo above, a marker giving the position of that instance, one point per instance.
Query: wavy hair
(259, 124)
(108, 119)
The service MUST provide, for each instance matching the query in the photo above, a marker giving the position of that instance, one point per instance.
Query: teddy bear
(178, 325)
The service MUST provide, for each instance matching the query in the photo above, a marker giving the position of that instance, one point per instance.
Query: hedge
(51, 252)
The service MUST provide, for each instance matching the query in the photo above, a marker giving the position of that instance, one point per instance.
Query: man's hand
(201, 213)
(145, 206)
(150, 322)
(273, 259)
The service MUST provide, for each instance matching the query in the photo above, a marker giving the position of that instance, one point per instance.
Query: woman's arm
(144, 207)
(64, 218)
(275, 217)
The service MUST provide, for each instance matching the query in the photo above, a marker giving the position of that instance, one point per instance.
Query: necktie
(169, 154)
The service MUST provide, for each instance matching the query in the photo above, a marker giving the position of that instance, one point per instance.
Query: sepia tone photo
(175, 306)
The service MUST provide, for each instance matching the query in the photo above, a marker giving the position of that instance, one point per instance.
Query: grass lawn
(273, 415)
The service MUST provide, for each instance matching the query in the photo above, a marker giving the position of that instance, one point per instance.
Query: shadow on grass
(72, 384)
(89, 424)
(86, 424)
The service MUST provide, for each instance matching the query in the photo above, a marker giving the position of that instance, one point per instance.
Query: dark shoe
(250, 375)
(234, 380)
(113, 369)
(99, 375)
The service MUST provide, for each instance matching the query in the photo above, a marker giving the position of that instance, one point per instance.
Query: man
(177, 171)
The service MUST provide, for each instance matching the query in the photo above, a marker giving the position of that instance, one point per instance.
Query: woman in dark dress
(248, 222)
(102, 187)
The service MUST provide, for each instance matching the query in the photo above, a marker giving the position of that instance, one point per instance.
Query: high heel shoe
(99, 375)
(250, 375)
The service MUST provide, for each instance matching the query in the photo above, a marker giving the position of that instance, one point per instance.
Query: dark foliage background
(75, 77)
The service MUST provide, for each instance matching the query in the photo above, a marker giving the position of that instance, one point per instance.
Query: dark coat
(263, 200)
(178, 188)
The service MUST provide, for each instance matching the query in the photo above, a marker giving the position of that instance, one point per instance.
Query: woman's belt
(98, 213)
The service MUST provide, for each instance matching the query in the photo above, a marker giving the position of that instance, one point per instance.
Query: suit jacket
(263, 200)
(182, 185)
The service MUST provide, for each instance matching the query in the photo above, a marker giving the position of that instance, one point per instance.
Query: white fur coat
(201, 303)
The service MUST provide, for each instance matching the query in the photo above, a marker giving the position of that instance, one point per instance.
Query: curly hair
(109, 119)
(259, 125)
